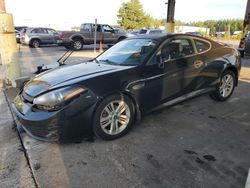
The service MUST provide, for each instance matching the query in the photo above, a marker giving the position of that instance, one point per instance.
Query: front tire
(225, 88)
(77, 44)
(113, 117)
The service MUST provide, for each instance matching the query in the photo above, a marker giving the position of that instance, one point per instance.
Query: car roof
(164, 36)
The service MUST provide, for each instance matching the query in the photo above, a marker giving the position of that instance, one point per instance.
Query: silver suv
(35, 37)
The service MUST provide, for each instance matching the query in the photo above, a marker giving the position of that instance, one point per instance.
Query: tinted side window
(39, 31)
(98, 29)
(86, 27)
(201, 45)
(177, 48)
(51, 31)
(107, 28)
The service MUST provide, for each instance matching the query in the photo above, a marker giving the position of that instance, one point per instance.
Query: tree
(132, 16)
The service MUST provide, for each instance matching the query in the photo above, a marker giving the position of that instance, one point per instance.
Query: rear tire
(113, 117)
(225, 88)
(77, 44)
(35, 43)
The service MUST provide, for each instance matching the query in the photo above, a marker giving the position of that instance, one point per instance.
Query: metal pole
(95, 36)
(170, 16)
(8, 46)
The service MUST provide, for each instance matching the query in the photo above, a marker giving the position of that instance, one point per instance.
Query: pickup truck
(86, 35)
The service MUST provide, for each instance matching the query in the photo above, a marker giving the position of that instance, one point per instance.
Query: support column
(170, 16)
(8, 46)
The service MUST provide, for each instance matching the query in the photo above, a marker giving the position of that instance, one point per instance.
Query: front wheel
(113, 117)
(226, 86)
(77, 44)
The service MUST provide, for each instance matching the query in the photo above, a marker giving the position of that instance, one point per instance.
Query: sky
(62, 14)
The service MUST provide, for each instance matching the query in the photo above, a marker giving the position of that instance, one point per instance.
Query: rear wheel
(77, 44)
(35, 43)
(113, 117)
(226, 86)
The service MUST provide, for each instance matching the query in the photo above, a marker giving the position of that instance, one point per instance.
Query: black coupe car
(105, 96)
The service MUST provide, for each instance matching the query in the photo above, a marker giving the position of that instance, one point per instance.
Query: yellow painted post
(169, 27)
(8, 46)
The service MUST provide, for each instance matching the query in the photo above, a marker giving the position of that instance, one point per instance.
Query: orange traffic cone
(100, 47)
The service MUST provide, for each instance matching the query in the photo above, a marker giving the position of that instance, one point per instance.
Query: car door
(54, 37)
(207, 71)
(86, 31)
(109, 35)
(170, 72)
(99, 33)
(43, 35)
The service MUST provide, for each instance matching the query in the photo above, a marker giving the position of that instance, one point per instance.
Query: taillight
(26, 36)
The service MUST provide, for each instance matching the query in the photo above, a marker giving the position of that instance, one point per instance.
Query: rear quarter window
(201, 46)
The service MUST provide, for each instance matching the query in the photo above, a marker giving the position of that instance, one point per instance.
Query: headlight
(54, 100)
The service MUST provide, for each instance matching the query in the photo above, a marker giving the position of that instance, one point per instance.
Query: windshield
(128, 52)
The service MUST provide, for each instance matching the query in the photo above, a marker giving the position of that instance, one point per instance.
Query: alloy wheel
(77, 45)
(36, 43)
(227, 85)
(115, 117)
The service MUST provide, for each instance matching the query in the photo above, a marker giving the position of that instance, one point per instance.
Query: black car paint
(148, 85)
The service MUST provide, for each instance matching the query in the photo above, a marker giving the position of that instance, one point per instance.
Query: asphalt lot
(197, 143)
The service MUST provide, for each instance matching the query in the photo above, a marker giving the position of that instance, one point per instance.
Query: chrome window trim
(203, 40)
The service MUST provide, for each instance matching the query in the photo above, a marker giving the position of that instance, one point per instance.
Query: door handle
(198, 64)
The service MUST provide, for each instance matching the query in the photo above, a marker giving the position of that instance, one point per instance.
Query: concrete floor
(198, 143)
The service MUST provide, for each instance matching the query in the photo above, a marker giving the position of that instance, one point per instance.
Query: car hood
(68, 73)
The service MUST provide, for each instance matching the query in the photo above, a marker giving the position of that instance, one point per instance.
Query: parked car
(37, 36)
(86, 35)
(150, 31)
(132, 33)
(107, 94)
(194, 33)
